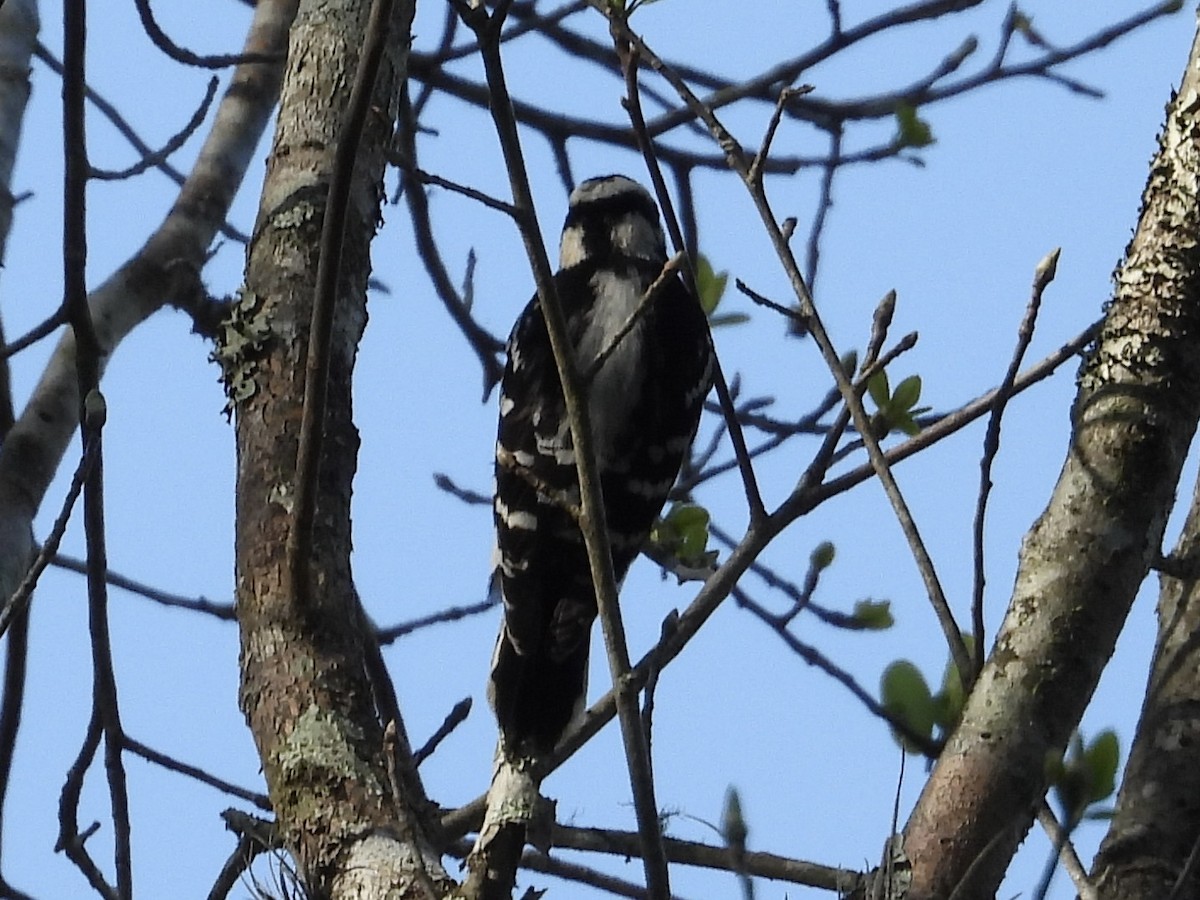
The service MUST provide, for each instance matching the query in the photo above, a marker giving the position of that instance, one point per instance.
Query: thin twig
(17, 603)
(423, 177)
(171, 764)
(457, 715)
(105, 710)
(123, 127)
(991, 446)
(390, 633)
(485, 345)
(255, 836)
(595, 533)
(764, 150)
(187, 57)
(1061, 839)
(824, 205)
(754, 862)
(941, 427)
(35, 334)
(223, 611)
(70, 840)
(16, 656)
(737, 161)
(629, 62)
(472, 498)
(816, 658)
(669, 272)
(801, 596)
(333, 227)
(104, 688)
(158, 157)
(536, 861)
(694, 853)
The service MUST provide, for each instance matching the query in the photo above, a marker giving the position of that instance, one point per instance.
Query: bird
(644, 400)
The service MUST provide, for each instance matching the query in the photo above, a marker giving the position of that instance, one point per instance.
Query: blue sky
(1018, 169)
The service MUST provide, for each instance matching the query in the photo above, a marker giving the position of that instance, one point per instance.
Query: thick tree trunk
(305, 692)
(1157, 821)
(1084, 559)
(1156, 827)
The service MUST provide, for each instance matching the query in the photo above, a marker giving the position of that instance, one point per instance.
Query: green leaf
(1086, 774)
(1102, 756)
(710, 284)
(1053, 768)
(948, 703)
(911, 129)
(907, 393)
(874, 615)
(684, 531)
(904, 421)
(877, 387)
(880, 425)
(951, 681)
(822, 555)
(906, 696)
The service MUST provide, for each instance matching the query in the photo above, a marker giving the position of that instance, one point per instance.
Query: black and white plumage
(644, 404)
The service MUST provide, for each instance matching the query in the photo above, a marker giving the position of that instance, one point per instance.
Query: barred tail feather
(535, 697)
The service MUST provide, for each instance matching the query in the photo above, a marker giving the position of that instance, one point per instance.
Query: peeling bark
(1084, 559)
(305, 691)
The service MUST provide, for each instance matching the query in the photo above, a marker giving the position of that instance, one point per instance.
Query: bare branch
(634, 107)
(453, 719)
(224, 611)
(593, 527)
(174, 765)
(119, 122)
(991, 446)
(738, 162)
(18, 603)
(333, 227)
(158, 157)
(485, 345)
(187, 57)
(1061, 839)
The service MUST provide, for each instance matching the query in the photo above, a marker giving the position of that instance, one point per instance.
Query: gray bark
(352, 823)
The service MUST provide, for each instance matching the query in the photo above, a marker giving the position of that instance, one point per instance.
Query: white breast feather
(616, 387)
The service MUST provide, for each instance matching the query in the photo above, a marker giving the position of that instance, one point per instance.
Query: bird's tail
(536, 698)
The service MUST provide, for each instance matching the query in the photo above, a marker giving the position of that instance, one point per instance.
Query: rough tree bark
(1083, 561)
(1157, 822)
(305, 693)
(1155, 834)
